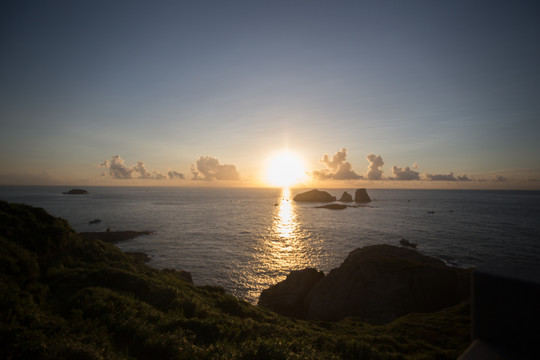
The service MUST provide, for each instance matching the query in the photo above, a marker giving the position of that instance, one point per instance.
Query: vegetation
(65, 297)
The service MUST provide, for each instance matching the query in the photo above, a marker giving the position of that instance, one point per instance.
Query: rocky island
(76, 192)
(360, 196)
(314, 196)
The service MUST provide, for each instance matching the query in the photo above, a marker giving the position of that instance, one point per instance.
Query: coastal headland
(66, 296)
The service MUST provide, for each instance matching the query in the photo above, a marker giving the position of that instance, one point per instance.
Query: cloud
(447, 177)
(209, 168)
(374, 168)
(338, 168)
(405, 174)
(175, 175)
(119, 170)
(499, 178)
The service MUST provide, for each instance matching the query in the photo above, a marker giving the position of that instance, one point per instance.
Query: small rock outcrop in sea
(361, 196)
(314, 196)
(346, 197)
(377, 284)
(332, 207)
(76, 192)
(287, 297)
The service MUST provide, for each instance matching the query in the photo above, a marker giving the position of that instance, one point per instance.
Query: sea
(246, 239)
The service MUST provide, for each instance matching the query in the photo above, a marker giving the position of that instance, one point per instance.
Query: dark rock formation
(314, 196)
(376, 284)
(287, 297)
(380, 283)
(332, 207)
(76, 192)
(346, 197)
(407, 243)
(113, 236)
(361, 196)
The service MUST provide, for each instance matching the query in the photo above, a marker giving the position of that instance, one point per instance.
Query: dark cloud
(405, 174)
(338, 168)
(447, 177)
(374, 168)
(209, 168)
(119, 170)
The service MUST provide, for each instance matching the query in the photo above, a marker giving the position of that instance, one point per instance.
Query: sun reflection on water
(285, 220)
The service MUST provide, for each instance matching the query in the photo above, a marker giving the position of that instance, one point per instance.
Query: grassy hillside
(65, 297)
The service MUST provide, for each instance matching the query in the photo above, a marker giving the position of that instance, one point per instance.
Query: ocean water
(248, 239)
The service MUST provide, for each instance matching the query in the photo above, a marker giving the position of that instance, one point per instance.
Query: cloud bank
(405, 174)
(119, 170)
(209, 168)
(337, 168)
(447, 177)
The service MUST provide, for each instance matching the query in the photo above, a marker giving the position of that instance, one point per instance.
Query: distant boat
(405, 242)
(95, 221)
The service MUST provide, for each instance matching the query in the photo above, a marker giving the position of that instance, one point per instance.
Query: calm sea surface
(248, 239)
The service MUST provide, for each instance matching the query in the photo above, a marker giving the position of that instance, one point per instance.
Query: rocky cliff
(379, 284)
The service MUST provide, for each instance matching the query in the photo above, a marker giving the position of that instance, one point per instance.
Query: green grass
(62, 297)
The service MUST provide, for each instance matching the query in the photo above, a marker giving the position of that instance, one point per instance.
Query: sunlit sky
(365, 93)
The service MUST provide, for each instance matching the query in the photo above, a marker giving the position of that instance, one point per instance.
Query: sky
(430, 94)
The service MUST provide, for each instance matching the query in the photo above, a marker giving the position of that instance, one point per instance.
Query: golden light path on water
(285, 246)
(285, 221)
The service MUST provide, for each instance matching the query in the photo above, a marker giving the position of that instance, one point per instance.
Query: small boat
(95, 221)
(405, 242)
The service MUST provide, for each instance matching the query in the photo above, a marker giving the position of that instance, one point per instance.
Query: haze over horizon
(362, 93)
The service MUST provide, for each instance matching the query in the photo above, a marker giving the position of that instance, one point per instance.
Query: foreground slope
(65, 297)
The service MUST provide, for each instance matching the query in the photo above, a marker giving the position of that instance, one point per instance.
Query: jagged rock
(380, 283)
(346, 197)
(332, 207)
(287, 297)
(314, 196)
(361, 196)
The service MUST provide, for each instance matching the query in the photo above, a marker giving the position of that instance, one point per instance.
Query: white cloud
(338, 168)
(374, 168)
(209, 168)
(119, 170)
(405, 174)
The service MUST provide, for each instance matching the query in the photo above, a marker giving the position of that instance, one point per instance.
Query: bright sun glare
(284, 169)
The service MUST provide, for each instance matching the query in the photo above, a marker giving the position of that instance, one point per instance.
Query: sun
(284, 169)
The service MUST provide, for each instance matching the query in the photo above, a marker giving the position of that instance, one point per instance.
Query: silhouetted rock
(361, 196)
(346, 197)
(113, 236)
(405, 242)
(76, 192)
(380, 283)
(287, 297)
(332, 207)
(314, 196)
